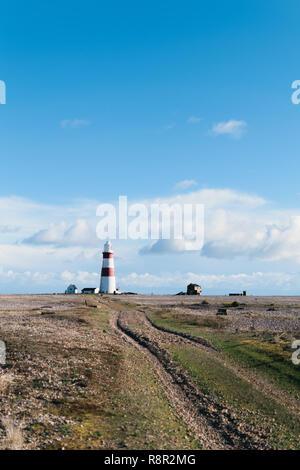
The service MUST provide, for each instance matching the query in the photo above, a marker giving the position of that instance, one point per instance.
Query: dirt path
(209, 438)
(215, 426)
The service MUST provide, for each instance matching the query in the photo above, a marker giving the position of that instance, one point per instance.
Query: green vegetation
(262, 355)
(271, 360)
(134, 412)
(190, 323)
(90, 389)
(232, 304)
(122, 407)
(226, 387)
(253, 351)
(99, 318)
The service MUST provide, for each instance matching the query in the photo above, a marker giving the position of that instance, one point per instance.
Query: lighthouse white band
(108, 263)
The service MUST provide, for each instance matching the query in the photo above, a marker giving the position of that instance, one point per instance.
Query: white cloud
(28, 216)
(232, 282)
(164, 246)
(194, 119)
(9, 229)
(81, 277)
(231, 128)
(81, 233)
(281, 242)
(52, 235)
(229, 215)
(50, 281)
(213, 198)
(62, 239)
(185, 184)
(238, 225)
(48, 258)
(268, 236)
(74, 123)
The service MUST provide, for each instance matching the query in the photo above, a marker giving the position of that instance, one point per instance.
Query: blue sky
(131, 98)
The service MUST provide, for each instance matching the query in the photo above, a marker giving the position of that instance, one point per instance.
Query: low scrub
(232, 304)
(173, 320)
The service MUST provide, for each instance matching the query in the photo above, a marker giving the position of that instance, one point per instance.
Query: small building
(71, 289)
(193, 289)
(244, 293)
(90, 290)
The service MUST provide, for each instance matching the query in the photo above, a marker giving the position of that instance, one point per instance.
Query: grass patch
(258, 353)
(270, 360)
(122, 406)
(225, 386)
(231, 304)
(133, 414)
(99, 318)
(187, 323)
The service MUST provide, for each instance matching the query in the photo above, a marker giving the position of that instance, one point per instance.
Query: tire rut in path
(208, 438)
(213, 424)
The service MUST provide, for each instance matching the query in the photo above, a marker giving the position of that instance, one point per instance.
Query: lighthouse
(108, 280)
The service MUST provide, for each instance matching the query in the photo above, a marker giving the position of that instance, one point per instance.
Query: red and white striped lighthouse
(108, 280)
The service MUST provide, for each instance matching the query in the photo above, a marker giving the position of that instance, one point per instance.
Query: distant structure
(108, 280)
(193, 289)
(71, 289)
(244, 293)
(90, 290)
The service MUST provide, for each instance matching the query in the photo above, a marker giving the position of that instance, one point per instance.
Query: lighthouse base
(107, 285)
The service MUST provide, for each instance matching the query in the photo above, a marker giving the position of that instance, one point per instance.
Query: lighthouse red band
(107, 272)
(108, 280)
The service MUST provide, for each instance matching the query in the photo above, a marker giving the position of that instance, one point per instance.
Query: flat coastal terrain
(149, 372)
